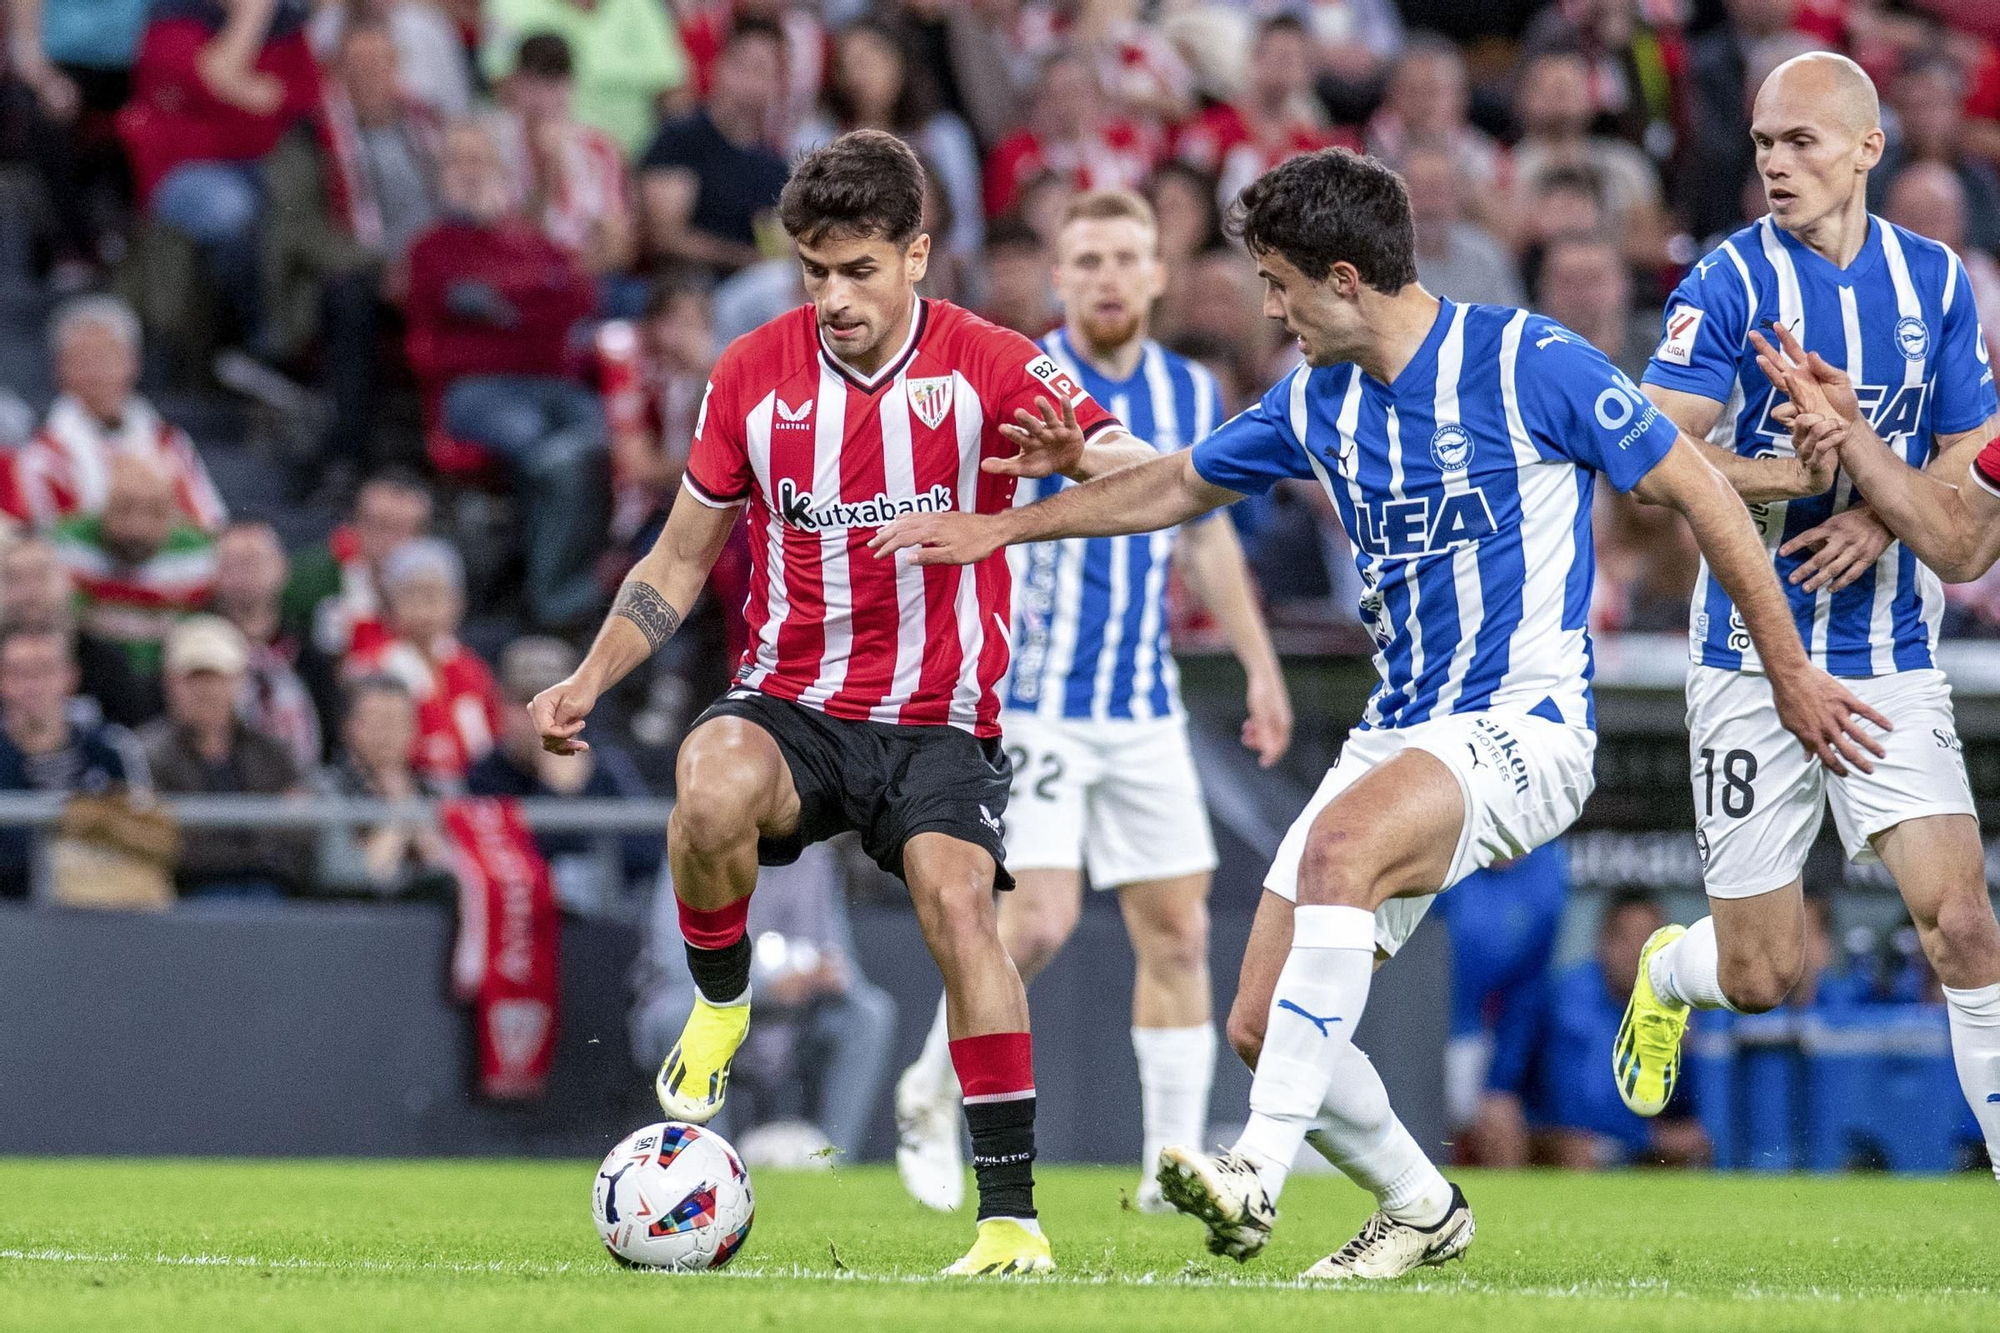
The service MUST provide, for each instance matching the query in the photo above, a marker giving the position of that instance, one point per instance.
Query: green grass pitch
(438, 1247)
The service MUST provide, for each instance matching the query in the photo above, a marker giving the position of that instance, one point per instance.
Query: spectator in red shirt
(458, 701)
(217, 83)
(562, 173)
(1068, 133)
(1276, 118)
(491, 304)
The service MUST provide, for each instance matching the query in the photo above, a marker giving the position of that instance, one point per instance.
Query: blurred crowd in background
(350, 349)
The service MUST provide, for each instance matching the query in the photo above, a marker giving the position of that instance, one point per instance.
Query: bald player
(1893, 313)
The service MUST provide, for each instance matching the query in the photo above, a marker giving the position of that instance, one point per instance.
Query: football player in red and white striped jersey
(866, 699)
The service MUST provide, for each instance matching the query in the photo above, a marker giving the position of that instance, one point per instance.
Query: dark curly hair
(866, 183)
(1320, 208)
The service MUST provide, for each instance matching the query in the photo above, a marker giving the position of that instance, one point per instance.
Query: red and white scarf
(66, 468)
(506, 964)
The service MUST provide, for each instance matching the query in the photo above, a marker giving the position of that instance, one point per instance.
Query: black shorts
(886, 782)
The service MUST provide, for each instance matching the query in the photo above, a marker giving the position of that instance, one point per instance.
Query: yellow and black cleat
(695, 1077)
(1005, 1248)
(1646, 1058)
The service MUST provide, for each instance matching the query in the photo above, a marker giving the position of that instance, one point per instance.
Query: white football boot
(929, 1153)
(1224, 1193)
(1388, 1249)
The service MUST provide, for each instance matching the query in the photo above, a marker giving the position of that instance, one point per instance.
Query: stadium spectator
(566, 176)
(1646, 566)
(1188, 204)
(99, 416)
(215, 85)
(653, 373)
(1456, 257)
(1553, 104)
(819, 1046)
(875, 84)
(1566, 201)
(378, 726)
(139, 565)
(1355, 42)
(804, 52)
(1634, 64)
(1069, 133)
(204, 747)
(1547, 1096)
(1425, 104)
(627, 52)
(1141, 74)
(969, 48)
(1717, 157)
(35, 594)
(709, 182)
(250, 573)
(1019, 293)
(431, 60)
(1928, 97)
(73, 62)
(491, 305)
(458, 703)
(1277, 116)
(43, 744)
(753, 295)
(1582, 283)
(518, 766)
(333, 599)
(348, 193)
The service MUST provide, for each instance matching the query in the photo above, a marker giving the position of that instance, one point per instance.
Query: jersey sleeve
(1963, 387)
(1020, 372)
(1701, 338)
(1575, 404)
(718, 467)
(1256, 448)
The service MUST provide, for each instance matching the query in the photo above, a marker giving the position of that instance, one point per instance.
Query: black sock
(1003, 1156)
(721, 974)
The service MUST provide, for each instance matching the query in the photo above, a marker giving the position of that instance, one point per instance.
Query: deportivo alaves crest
(796, 507)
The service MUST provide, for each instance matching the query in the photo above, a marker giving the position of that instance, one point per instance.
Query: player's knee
(959, 923)
(1175, 943)
(1037, 935)
(1758, 985)
(1336, 869)
(1962, 937)
(711, 818)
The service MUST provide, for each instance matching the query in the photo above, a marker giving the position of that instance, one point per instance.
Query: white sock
(1321, 991)
(1689, 969)
(935, 1058)
(1360, 1135)
(1176, 1068)
(1975, 1049)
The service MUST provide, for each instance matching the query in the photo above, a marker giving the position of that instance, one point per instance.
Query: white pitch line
(1631, 1289)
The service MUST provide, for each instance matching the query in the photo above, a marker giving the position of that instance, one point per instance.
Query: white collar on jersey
(919, 312)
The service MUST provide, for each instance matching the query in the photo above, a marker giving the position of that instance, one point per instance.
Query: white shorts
(1524, 778)
(1118, 798)
(1759, 797)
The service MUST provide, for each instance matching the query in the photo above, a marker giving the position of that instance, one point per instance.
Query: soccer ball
(673, 1196)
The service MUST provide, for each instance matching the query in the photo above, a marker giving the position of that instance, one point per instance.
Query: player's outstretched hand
(1806, 377)
(1048, 443)
(558, 713)
(1843, 548)
(1268, 729)
(939, 539)
(1826, 717)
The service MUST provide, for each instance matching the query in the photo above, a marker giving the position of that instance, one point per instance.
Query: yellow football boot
(1646, 1059)
(695, 1076)
(1005, 1248)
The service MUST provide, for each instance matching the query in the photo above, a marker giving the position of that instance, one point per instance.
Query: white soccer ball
(673, 1196)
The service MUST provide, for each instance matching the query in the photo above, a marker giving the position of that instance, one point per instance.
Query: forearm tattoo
(641, 604)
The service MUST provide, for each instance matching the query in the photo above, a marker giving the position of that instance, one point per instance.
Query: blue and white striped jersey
(1465, 488)
(1900, 321)
(1090, 613)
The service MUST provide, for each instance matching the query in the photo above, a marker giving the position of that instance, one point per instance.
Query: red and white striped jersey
(66, 468)
(825, 457)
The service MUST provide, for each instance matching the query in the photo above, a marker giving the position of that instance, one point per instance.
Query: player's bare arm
(1145, 498)
(1211, 559)
(648, 610)
(1953, 528)
(1812, 705)
(1756, 480)
(1051, 443)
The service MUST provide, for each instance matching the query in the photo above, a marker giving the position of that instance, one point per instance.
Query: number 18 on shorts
(1759, 797)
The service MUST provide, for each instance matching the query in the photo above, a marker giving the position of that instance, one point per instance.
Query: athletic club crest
(1451, 447)
(930, 399)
